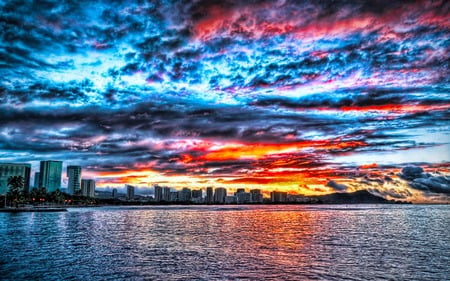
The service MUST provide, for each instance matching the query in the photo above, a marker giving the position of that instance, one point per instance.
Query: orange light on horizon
(261, 150)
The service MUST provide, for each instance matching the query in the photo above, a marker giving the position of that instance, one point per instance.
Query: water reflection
(228, 243)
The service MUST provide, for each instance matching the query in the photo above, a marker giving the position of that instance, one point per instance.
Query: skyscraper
(278, 197)
(74, 175)
(114, 193)
(209, 195)
(256, 196)
(185, 195)
(88, 188)
(166, 194)
(10, 169)
(130, 192)
(219, 195)
(158, 193)
(50, 175)
(243, 197)
(36, 180)
(197, 193)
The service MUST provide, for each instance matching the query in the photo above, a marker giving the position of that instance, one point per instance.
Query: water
(363, 242)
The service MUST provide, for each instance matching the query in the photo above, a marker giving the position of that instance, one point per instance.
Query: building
(278, 197)
(219, 195)
(197, 195)
(74, 175)
(239, 190)
(256, 196)
(114, 193)
(166, 194)
(50, 175)
(158, 193)
(11, 169)
(243, 197)
(209, 195)
(230, 199)
(185, 195)
(36, 180)
(130, 192)
(88, 188)
(173, 196)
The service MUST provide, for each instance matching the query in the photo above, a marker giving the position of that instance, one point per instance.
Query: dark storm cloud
(336, 186)
(361, 97)
(419, 180)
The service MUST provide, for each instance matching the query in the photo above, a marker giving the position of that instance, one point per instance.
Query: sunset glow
(309, 97)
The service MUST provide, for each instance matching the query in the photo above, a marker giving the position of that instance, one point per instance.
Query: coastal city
(46, 188)
(50, 174)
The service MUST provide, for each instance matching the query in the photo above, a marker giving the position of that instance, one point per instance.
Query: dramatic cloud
(274, 94)
(425, 181)
(338, 187)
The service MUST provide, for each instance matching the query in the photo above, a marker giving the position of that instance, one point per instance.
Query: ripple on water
(368, 242)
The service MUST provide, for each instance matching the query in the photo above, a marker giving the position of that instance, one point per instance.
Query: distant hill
(357, 197)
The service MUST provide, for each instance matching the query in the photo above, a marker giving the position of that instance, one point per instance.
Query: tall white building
(74, 175)
(50, 175)
(88, 188)
(11, 169)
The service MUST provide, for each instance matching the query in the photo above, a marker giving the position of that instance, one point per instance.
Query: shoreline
(32, 209)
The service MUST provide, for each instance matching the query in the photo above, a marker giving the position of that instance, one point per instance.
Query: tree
(15, 192)
(38, 194)
(56, 196)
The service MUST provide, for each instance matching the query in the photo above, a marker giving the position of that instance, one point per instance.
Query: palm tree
(38, 194)
(56, 196)
(15, 192)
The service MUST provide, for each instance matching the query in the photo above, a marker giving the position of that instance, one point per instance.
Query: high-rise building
(230, 200)
(185, 195)
(219, 195)
(130, 192)
(158, 193)
(239, 190)
(278, 196)
(197, 196)
(114, 193)
(88, 188)
(173, 196)
(243, 197)
(256, 196)
(11, 169)
(36, 180)
(166, 194)
(197, 193)
(209, 195)
(74, 175)
(50, 175)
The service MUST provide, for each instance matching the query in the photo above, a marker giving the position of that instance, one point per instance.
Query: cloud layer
(274, 94)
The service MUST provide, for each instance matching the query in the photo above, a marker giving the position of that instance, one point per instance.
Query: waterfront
(286, 242)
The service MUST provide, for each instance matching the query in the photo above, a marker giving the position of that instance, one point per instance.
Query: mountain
(357, 197)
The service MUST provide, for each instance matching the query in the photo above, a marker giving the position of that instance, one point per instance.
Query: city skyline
(304, 97)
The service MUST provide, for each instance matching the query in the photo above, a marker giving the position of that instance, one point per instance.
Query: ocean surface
(326, 242)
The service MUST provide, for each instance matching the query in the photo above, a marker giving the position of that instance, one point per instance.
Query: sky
(309, 97)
